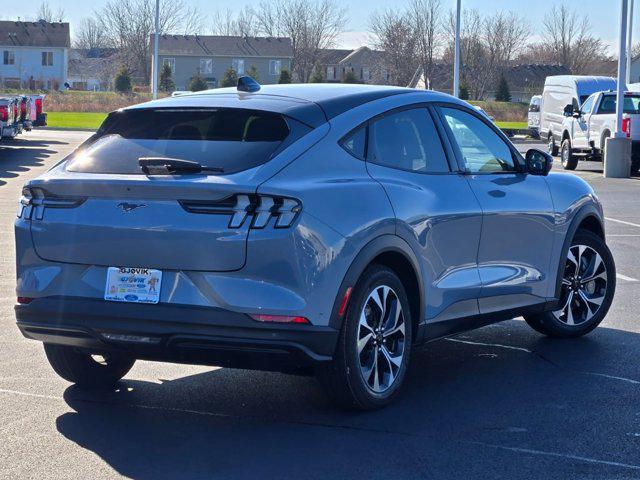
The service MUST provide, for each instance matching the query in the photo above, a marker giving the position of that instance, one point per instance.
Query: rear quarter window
(227, 138)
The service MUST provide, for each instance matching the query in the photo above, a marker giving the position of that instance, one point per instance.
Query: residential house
(34, 54)
(91, 69)
(366, 64)
(211, 56)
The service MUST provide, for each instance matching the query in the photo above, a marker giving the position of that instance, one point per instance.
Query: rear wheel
(568, 159)
(588, 286)
(553, 148)
(374, 345)
(85, 369)
(635, 166)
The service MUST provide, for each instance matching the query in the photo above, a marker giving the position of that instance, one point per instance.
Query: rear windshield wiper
(167, 166)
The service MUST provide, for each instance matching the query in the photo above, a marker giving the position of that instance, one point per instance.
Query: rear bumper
(175, 333)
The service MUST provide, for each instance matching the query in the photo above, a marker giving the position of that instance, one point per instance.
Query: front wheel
(588, 286)
(85, 369)
(374, 345)
(553, 148)
(568, 159)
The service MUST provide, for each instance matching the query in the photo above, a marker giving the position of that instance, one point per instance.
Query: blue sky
(604, 20)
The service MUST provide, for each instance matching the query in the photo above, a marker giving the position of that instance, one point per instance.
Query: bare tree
(48, 15)
(488, 45)
(395, 36)
(312, 25)
(568, 41)
(90, 35)
(243, 24)
(129, 24)
(426, 22)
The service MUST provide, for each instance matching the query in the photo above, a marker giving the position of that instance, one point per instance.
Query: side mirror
(568, 110)
(538, 162)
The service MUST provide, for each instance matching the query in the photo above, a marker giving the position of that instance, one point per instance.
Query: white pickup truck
(585, 130)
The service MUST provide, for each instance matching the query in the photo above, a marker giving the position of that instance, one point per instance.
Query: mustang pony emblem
(128, 207)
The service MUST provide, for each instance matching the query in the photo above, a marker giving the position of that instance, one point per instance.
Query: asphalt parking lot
(500, 402)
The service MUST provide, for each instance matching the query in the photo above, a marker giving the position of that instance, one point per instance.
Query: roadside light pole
(629, 41)
(456, 62)
(617, 151)
(154, 68)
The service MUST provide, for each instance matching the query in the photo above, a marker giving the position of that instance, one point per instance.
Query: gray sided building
(210, 57)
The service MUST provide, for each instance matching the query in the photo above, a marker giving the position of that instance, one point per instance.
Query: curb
(67, 129)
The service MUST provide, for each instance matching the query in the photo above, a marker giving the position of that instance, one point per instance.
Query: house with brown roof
(366, 64)
(210, 56)
(34, 54)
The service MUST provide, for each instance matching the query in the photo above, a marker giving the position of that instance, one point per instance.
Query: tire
(84, 370)
(567, 158)
(553, 148)
(348, 380)
(635, 166)
(577, 317)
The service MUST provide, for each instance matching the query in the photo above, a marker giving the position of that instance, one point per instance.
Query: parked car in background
(561, 91)
(533, 117)
(40, 115)
(326, 228)
(8, 122)
(25, 112)
(586, 130)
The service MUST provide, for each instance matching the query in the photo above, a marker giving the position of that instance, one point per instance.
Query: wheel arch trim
(376, 247)
(585, 212)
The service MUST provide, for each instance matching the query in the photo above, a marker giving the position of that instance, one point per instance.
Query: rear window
(608, 104)
(231, 139)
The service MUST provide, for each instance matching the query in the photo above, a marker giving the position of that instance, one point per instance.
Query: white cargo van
(562, 96)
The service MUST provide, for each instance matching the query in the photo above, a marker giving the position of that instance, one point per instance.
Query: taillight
(4, 113)
(626, 126)
(280, 319)
(39, 199)
(23, 107)
(38, 106)
(24, 300)
(257, 209)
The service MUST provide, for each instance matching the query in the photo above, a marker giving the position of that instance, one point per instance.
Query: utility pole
(629, 41)
(617, 150)
(154, 68)
(456, 62)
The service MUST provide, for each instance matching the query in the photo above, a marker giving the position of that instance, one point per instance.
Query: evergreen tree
(166, 83)
(230, 78)
(464, 92)
(197, 83)
(123, 80)
(349, 77)
(253, 73)
(316, 75)
(503, 94)
(285, 76)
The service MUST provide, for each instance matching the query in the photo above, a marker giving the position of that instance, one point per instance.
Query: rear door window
(227, 138)
(407, 140)
(609, 102)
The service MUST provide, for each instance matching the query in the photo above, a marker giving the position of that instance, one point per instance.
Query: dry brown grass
(92, 102)
(505, 111)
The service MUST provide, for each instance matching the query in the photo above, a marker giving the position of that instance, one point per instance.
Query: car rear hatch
(100, 207)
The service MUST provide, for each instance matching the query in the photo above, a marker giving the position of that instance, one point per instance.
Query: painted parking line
(624, 222)
(628, 279)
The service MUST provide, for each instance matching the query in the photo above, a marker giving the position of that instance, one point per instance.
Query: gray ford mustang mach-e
(324, 228)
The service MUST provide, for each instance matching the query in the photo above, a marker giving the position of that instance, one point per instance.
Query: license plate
(135, 285)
